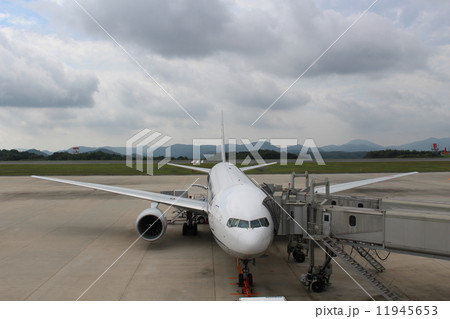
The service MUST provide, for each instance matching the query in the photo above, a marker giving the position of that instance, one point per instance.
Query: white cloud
(282, 38)
(4, 16)
(30, 78)
(383, 81)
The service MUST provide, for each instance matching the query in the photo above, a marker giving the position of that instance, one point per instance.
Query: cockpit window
(233, 222)
(243, 224)
(264, 222)
(255, 223)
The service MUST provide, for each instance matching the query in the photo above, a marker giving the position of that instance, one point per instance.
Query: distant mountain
(356, 146)
(353, 146)
(81, 149)
(424, 145)
(37, 152)
(105, 150)
(178, 150)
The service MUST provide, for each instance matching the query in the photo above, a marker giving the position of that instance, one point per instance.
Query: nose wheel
(245, 277)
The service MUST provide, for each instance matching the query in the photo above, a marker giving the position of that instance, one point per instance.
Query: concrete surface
(60, 242)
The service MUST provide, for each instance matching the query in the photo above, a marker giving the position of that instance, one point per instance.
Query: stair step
(333, 246)
(370, 259)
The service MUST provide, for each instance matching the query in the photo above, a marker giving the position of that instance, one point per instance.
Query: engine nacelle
(151, 223)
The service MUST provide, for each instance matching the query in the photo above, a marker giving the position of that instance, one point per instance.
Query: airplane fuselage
(240, 223)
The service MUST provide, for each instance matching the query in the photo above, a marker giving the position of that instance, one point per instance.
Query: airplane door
(326, 222)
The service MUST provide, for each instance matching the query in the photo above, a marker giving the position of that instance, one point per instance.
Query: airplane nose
(254, 243)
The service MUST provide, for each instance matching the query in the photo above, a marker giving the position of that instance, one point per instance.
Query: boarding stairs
(364, 253)
(378, 285)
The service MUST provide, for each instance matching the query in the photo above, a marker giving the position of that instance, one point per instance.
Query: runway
(62, 242)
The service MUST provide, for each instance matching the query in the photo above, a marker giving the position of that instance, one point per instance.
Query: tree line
(15, 155)
(401, 154)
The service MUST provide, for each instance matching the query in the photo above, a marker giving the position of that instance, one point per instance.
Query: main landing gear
(190, 227)
(245, 277)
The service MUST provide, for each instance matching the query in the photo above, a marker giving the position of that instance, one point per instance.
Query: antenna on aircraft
(224, 158)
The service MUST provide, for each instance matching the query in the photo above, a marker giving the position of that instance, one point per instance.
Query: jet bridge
(332, 221)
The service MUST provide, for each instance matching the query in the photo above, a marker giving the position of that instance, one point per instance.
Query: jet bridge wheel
(295, 247)
(318, 286)
(299, 255)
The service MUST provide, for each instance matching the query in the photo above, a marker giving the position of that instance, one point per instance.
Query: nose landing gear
(245, 277)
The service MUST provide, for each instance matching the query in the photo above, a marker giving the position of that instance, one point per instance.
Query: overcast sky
(65, 82)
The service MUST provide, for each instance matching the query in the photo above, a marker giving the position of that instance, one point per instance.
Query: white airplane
(239, 221)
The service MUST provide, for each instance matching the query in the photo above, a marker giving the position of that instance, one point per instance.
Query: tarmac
(62, 242)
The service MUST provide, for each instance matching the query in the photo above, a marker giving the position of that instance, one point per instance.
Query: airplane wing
(154, 197)
(255, 166)
(350, 185)
(208, 170)
(194, 168)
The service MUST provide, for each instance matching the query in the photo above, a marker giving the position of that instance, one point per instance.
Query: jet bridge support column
(318, 277)
(294, 175)
(301, 206)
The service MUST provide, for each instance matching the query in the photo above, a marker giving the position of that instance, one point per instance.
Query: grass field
(122, 169)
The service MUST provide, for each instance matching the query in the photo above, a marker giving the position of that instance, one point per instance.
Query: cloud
(384, 79)
(4, 16)
(282, 38)
(170, 28)
(29, 78)
(393, 109)
(8, 19)
(373, 45)
(256, 91)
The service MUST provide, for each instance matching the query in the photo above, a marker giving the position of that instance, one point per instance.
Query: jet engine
(151, 223)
